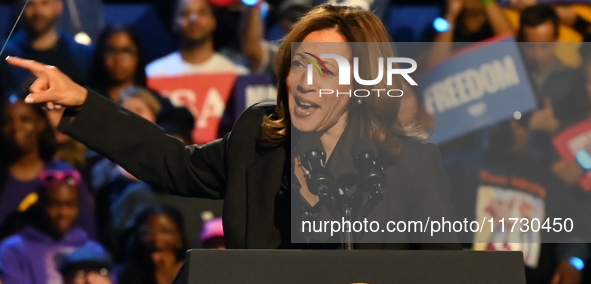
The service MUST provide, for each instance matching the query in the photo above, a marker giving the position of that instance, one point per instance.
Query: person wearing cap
(86, 265)
(212, 235)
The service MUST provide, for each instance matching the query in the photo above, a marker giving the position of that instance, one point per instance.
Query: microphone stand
(348, 233)
(376, 194)
(349, 202)
(345, 183)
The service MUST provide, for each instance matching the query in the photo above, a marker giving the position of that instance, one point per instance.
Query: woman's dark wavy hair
(100, 78)
(380, 115)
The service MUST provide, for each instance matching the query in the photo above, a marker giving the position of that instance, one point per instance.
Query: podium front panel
(358, 266)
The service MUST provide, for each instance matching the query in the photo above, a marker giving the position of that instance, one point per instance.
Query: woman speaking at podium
(252, 166)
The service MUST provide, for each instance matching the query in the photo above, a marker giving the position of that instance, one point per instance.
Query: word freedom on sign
(470, 85)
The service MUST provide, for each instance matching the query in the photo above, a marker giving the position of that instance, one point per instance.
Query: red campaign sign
(572, 140)
(206, 96)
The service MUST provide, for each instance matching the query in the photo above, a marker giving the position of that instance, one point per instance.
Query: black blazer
(241, 170)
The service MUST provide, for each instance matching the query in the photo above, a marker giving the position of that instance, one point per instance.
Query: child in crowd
(31, 255)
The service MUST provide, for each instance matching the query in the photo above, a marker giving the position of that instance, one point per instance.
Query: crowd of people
(499, 160)
(78, 215)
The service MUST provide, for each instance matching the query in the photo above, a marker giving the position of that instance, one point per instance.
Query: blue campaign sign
(252, 89)
(477, 87)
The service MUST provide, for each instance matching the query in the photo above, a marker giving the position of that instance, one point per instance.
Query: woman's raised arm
(139, 146)
(52, 86)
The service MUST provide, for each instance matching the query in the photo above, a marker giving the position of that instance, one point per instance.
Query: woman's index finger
(35, 67)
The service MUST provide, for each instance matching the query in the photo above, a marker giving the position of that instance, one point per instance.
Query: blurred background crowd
(67, 214)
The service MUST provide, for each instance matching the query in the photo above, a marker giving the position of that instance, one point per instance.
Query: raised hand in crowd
(566, 274)
(468, 21)
(454, 7)
(544, 119)
(567, 14)
(569, 172)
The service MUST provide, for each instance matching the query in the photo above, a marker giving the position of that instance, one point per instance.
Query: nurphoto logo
(344, 74)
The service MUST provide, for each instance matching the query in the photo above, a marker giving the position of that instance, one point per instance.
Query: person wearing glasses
(30, 255)
(119, 61)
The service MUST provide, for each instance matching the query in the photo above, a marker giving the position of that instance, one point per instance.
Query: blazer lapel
(263, 183)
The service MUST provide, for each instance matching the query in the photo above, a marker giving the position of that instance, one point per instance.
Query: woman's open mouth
(304, 107)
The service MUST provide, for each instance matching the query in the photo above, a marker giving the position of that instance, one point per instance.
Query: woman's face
(309, 111)
(161, 233)
(121, 57)
(22, 126)
(139, 107)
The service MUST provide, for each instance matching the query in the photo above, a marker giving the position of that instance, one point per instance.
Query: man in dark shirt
(557, 87)
(39, 40)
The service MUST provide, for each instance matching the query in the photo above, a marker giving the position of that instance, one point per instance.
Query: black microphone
(371, 177)
(367, 163)
(319, 179)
